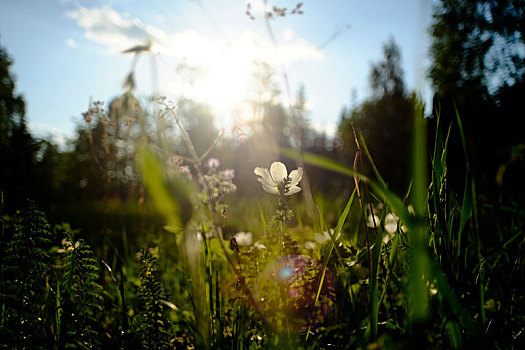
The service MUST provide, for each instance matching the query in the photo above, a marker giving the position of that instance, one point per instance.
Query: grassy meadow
(157, 229)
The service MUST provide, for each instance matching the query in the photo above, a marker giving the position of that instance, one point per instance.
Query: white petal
(265, 177)
(270, 189)
(391, 218)
(391, 223)
(391, 227)
(320, 238)
(309, 245)
(278, 171)
(296, 176)
(243, 238)
(259, 245)
(373, 221)
(293, 190)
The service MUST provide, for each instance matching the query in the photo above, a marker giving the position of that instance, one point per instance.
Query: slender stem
(216, 229)
(356, 180)
(212, 146)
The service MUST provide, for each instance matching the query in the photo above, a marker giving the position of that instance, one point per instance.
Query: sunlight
(221, 81)
(222, 76)
(226, 82)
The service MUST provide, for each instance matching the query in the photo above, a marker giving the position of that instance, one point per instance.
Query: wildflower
(277, 180)
(243, 238)
(309, 245)
(185, 170)
(213, 163)
(228, 174)
(321, 238)
(391, 223)
(373, 220)
(259, 245)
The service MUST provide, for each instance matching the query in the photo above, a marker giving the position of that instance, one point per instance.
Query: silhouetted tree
(386, 77)
(385, 120)
(18, 149)
(478, 65)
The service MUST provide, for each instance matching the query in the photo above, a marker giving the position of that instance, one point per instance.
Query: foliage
(229, 266)
(154, 327)
(385, 120)
(17, 146)
(474, 41)
(26, 268)
(79, 295)
(478, 67)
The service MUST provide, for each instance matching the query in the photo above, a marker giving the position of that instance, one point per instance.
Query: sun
(226, 84)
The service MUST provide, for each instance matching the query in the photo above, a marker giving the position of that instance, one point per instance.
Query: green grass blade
(419, 272)
(371, 160)
(466, 208)
(338, 229)
(462, 133)
(155, 182)
(374, 293)
(390, 198)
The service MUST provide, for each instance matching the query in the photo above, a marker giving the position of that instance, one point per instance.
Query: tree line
(477, 71)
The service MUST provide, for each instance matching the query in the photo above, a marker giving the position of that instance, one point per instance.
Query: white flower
(259, 245)
(321, 238)
(278, 175)
(391, 223)
(309, 245)
(373, 221)
(243, 238)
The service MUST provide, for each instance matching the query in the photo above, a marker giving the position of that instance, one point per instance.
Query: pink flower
(213, 163)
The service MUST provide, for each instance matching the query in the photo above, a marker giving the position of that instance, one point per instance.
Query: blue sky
(68, 51)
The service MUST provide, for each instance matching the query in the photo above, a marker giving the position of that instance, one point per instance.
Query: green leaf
(171, 198)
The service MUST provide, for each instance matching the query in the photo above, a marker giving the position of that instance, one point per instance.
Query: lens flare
(287, 292)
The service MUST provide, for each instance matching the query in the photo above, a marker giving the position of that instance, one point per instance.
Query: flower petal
(320, 238)
(296, 176)
(270, 189)
(373, 220)
(391, 227)
(243, 238)
(391, 223)
(293, 190)
(278, 171)
(265, 177)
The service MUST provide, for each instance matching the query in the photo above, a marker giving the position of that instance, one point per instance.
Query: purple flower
(229, 174)
(213, 163)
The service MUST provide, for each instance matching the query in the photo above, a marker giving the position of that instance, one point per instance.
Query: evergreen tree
(18, 149)
(478, 67)
(385, 120)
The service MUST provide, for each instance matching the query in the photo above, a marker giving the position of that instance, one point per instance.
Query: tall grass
(387, 271)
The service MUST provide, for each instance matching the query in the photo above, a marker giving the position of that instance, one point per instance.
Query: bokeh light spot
(287, 289)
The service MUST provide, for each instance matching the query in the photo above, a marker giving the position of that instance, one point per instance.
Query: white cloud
(118, 32)
(288, 34)
(223, 68)
(107, 27)
(71, 43)
(45, 131)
